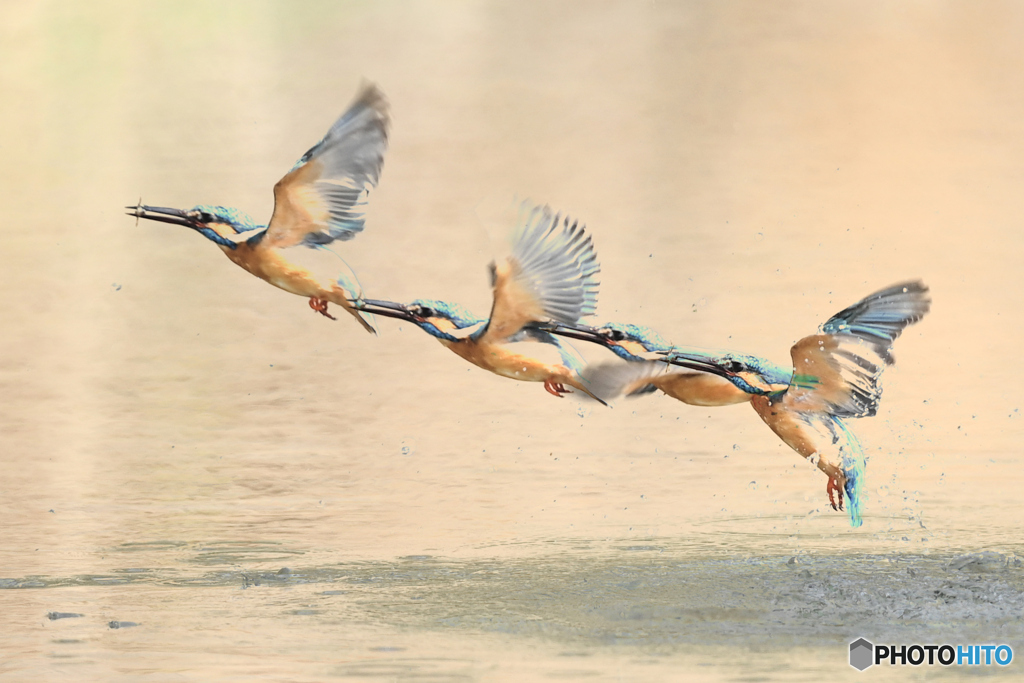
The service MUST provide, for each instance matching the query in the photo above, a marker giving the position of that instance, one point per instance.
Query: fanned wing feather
(878, 319)
(550, 275)
(318, 201)
(838, 371)
(835, 374)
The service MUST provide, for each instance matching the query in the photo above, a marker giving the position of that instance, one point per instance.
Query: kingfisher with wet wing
(316, 203)
(645, 371)
(550, 276)
(836, 374)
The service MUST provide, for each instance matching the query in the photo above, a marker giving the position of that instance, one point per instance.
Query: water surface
(223, 485)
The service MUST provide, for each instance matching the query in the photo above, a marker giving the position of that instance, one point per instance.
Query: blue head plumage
(754, 375)
(431, 312)
(202, 215)
(627, 340)
(238, 221)
(207, 221)
(751, 374)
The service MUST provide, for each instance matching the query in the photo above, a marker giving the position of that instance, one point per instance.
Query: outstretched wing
(838, 371)
(551, 275)
(318, 201)
(877, 320)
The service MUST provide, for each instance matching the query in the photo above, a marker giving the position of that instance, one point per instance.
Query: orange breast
(269, 264)
(786, 424)
(497, 358)
(701, 389)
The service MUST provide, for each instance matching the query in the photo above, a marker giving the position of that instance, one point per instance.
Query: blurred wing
(609, 381)
(837, 372)
(317, 201)
(551, 275)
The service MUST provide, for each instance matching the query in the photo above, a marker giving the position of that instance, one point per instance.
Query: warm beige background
(746, 169)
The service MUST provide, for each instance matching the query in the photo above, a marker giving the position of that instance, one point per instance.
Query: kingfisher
(550, 276)
(647, 371)
(836, 374)
(316, 203)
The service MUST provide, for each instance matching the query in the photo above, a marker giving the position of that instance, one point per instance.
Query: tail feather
(362, 321)
(854, 462)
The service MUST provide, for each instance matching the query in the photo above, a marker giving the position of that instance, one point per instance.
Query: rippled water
(203, 480)
(636, 609)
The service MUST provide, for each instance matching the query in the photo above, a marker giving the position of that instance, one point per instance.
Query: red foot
(320, 306)
(835, 487)
(555, 388)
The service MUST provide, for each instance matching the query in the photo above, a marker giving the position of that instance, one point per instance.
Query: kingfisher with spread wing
(317, 202)
(550, 277)
(836, 373)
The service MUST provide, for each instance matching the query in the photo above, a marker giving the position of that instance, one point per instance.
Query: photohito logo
(863, 653)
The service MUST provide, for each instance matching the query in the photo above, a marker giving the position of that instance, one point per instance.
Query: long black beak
(162, 214)
(581, 332)
(388, 309)
(693, 361)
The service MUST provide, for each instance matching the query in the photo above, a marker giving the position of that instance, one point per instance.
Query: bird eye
(734, 366)
(422, 311)
(614, 335)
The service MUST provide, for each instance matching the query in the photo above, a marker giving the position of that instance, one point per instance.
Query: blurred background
(267, 493)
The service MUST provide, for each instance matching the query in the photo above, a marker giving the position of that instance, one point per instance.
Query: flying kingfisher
(315, 203)
(836, 373)
(549, 277)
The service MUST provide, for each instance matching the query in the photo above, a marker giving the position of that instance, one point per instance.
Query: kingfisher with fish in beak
(316, 203)
(835, 375)
(550, 276)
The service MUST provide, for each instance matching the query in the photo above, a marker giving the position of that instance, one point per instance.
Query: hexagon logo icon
(861, 654)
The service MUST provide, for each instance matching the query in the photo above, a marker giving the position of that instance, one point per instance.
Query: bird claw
(320, 306)
(555, 388)
(835, 487)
